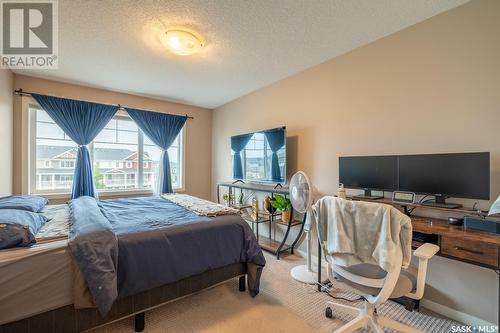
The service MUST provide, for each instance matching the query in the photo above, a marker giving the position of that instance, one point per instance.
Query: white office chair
(376, 286)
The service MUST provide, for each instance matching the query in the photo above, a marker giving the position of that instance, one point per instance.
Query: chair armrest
(423, 253)
(426, 251)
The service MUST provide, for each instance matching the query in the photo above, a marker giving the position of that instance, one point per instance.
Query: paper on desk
(495, 208)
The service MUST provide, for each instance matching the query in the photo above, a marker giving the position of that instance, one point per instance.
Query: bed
(45, 287)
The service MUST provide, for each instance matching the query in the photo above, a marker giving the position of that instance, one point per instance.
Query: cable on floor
(326, 289)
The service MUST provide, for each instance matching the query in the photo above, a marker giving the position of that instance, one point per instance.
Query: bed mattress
(39, 278)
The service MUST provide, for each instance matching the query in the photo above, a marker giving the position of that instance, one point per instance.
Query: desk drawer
(474, 251)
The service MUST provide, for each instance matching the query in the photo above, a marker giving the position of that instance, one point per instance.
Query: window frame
(30, 108)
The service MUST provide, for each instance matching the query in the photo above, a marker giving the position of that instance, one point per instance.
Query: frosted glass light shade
(182, 41)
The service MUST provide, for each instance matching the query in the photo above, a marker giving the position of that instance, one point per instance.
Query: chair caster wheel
(329, 313)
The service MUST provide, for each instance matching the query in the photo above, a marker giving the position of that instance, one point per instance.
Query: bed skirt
(67, 319)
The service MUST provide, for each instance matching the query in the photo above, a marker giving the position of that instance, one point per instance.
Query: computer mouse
(455, 220)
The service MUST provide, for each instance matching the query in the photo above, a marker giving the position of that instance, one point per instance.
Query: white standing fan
(301, 199)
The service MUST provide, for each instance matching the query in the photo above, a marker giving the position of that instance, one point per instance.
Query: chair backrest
(379, 280)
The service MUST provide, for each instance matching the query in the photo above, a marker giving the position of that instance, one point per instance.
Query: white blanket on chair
(364, 232)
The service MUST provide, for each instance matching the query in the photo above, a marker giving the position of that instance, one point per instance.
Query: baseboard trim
(433, 306)
(454, 314)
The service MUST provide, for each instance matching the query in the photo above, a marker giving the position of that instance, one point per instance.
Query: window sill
(104, 194)
(124, 193)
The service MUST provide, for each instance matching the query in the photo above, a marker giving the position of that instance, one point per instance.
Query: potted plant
(229, 199)
(241, 198)
(284, 205)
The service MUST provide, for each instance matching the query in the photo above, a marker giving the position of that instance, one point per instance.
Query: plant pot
(285, 216)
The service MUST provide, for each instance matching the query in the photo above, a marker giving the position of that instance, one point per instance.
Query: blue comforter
(94, 246)
(157, 242)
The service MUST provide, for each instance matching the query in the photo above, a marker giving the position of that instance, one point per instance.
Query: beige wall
(198, 130)
(434, 87)
(6, 97)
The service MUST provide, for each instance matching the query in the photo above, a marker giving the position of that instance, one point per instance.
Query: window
(254, 157)
(63, 181)
(257, 158)
(43, 164)
(152, 156)
(55, 155)
(67, 164)
(123, 158)
(116, 146)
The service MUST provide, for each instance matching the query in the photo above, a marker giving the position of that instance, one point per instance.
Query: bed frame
(67, 319)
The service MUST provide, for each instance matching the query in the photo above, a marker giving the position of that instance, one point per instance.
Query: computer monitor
(462, 175)
(369, 173)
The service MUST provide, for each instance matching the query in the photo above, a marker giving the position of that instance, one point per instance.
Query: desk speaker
(476, 223)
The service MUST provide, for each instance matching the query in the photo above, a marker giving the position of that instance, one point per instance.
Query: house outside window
(123, 158)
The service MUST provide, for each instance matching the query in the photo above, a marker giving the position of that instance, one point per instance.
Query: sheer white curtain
(159, 175)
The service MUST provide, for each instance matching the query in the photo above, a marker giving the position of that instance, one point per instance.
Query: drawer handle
(468, 250)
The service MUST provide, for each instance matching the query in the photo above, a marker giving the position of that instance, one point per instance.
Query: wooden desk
(455, 242)
(442, 228)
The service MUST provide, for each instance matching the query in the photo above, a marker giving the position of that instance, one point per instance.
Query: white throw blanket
(364, 232)
(200, 206)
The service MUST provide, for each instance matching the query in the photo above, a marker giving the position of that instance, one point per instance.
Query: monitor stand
(368, 196)
(440, 202)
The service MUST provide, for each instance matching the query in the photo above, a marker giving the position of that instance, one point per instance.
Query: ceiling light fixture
(182, 41)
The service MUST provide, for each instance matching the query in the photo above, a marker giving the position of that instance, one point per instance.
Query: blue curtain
(81, 121)
(276, 140)
(162, 129)
(238, 143)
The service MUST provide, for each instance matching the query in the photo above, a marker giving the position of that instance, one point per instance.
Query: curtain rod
(21, 92)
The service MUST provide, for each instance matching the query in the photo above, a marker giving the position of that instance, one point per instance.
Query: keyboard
(442, 205)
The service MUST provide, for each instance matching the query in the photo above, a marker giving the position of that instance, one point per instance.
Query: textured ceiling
(114, 44)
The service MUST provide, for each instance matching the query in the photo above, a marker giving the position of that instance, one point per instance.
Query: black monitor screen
(369, 172)
(465, 175)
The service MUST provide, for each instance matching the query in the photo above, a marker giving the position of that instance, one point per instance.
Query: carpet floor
(283, 305)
